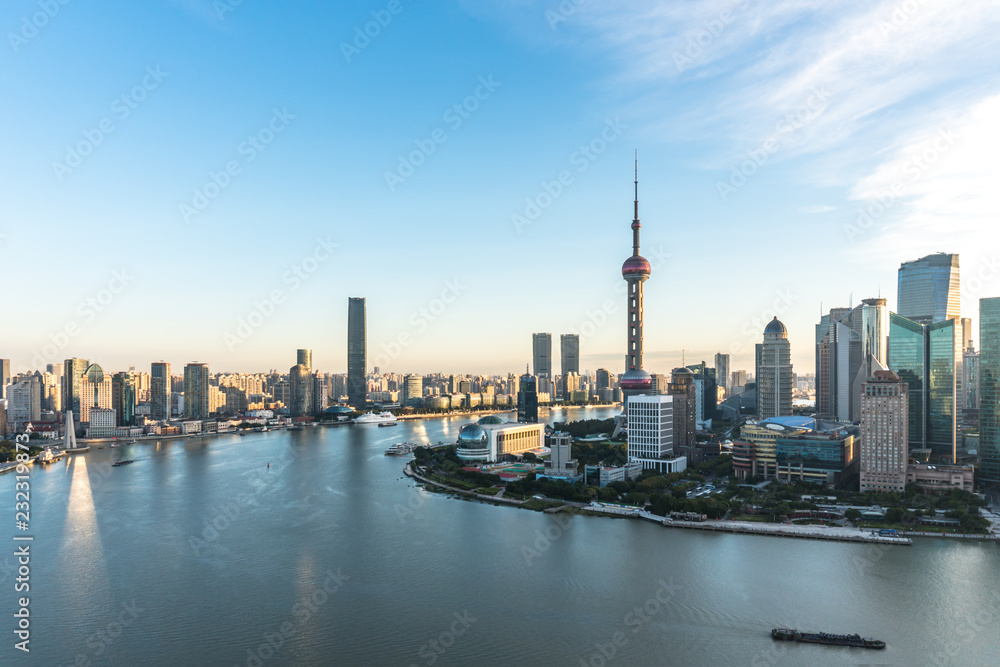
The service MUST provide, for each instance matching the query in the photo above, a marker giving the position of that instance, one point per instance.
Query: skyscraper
(636, 271)
(569, 352)
(357, 353)
(300, 382)
(73, 373)
(722, 372)
(527, 400)
(413, 389)
(884, 433)
(541, 354)
(774, 372)
(196, 391)
(989, 390)
(929, 289)
(123, 398)
(159, 390)
(4, 377)
(852, 344)
(304, 358)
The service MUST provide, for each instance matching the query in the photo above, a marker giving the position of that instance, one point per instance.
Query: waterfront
(332, 545)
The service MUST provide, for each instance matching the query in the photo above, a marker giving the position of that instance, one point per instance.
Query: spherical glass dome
(491, 419)
(636, 379)
(775, 327)
(473, 443)
(636, 266)
(94, 374)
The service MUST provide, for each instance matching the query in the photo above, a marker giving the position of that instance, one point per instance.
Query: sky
(211, 180)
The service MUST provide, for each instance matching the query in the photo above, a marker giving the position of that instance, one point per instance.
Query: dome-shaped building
(491, 419)
(775, 326)
(473, 444)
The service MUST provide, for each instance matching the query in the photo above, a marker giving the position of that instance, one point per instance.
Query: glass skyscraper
(906, 359)
(541, 353)
(357, 353)
(929, 289)
(989, 390)
(159, 390)
(944, 364)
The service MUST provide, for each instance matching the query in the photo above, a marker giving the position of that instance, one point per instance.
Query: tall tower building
(304, 358)
(527, 399)
(635, 271)
(884, 433)
(929, 289)
(159, 390)
(123, 390)
(541, 354)
(196, 391)
(722, 372)
(357, 353)
(413, 389)
(774, 372)
(300, 383)
(569, 352)
(72, 374)
(4, 377)
(989, 390)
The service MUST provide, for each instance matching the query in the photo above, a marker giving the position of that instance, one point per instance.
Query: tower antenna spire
(636, 225)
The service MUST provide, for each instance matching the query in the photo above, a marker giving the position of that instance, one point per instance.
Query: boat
(401, 449)
(393, 423)
(854, 641)
(118, 464)
(372, 418)
(49, 455)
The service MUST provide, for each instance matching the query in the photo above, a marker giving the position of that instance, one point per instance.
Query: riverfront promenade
(812, 531)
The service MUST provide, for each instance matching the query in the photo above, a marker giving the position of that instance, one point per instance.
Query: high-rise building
(603, 379)
(94, 391)
(774, 372)
(304, 358)
(4, 377)
(159, 390)
(636, 271)
(357, 353)
(650, 433)
(929, 289)
(541, 354)
(24, 401)
(852, 344)
(300, 382)
(413, 389)
(969, 400)
(123, 391)
(196, 391)
(989, 390)
(569, 354)
(685, 409)
(74, 370)
(527, 399)
(722, 371)
(884, 433)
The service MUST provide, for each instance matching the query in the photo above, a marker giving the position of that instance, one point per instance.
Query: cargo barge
(854, 641)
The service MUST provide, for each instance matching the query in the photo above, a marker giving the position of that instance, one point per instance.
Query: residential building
(196, 391)
(159, 390)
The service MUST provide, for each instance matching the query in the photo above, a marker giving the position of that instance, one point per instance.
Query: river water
(199, 554)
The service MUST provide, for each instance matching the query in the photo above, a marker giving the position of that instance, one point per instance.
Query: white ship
(401, 449)
(372, 418)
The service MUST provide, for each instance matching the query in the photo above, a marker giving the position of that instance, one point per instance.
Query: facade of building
(4, 377)
(885, 436)
(561, 464)
(929, 289)
(527, 400)
(24, 402)
(196, 391)
(774, 372)
(491, 442)
(569, 359)
(159, 390)
(95, 391)
(829, 459)
(102, 423)
(722, 373)
(300, 383)
(940, 478)
(541, 354)
(989, 390)
(123, 398)
(413, 389)
(650, 421)
(357, 353)
(304, 357)
(73, 371)
(851, 345)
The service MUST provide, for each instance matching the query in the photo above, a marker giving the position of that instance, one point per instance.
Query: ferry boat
(118, 464)
(392, 423)
(372, 418)
(854, 641)
(401, 449)
(49, 455)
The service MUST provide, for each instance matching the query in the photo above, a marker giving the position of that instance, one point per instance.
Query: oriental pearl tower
(635, 271)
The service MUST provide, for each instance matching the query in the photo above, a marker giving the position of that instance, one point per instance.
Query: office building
(159, 390)
(989, 390)
(650, 433)
(123, 399)
(413, 390)
(722, 372)
(569, 354)
(73, 372)
(828, 459)
(4, 377)
(304, 358)
(357, 353)
(851, 344)
(527, 400)
(929, 289)
(541, 354)
(196, 391)
(885, 434)
(684, 394)
(560, 464)
(94, 391)
(24, 402)
(774, 372)
(300, 384)
(969, 399)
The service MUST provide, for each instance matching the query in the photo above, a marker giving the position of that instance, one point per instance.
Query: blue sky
(229, 146)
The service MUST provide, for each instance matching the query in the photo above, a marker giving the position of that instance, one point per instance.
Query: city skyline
(829, 164)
